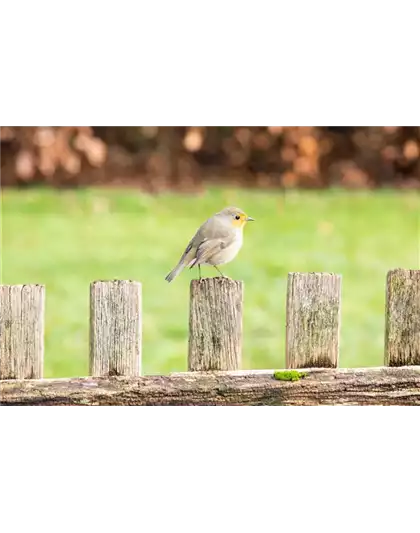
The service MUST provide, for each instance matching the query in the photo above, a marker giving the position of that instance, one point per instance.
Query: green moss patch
(289, 375)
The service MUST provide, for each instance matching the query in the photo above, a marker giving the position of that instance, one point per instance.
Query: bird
(216, 242)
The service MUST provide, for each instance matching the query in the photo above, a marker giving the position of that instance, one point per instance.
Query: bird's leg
(199, 271)
(221, 273)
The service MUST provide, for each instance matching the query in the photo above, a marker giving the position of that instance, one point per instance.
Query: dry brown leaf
(308, 146)
(96, 152)
(44, 137)
(25, 165)
(193, 139)
(72, 163)
(411, 150)
(46, 161)
(81, 142)
(94, 148)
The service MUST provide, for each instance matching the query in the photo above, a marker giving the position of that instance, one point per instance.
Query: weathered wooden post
(22, 331)
(115, 328)
(313, 320)
(402, 319)
(215, 337)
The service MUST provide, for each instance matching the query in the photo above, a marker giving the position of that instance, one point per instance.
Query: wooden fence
(214, 376)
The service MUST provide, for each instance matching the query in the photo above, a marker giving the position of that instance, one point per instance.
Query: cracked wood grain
(115, 328)
(313, 320)
(363, 386)
(215, 329)
(22, 331)
(402, 322)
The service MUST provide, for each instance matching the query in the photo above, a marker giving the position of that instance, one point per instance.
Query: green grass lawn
(67, 239)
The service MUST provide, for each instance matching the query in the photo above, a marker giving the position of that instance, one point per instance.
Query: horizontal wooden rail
(313, 323)
(315, 386)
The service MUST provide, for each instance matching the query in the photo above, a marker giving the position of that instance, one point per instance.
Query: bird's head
(235, 216)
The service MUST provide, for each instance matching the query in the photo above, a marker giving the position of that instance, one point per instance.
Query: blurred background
(87, 203)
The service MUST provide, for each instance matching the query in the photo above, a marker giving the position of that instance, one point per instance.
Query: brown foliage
(183, 157)
(41, 154)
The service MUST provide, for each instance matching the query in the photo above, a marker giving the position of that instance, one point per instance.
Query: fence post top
(217, 280)
(115, 281)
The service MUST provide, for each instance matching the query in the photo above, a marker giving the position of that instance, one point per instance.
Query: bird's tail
(174, 273)
(183, 262)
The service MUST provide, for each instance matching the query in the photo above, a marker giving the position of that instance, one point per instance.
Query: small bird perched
(216, 242)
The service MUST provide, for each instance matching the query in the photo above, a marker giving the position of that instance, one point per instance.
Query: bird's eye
(237, 217)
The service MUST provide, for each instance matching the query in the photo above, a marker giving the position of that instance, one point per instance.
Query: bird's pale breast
(227, 254)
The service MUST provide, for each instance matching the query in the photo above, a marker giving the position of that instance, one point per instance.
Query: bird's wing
(210, 247)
